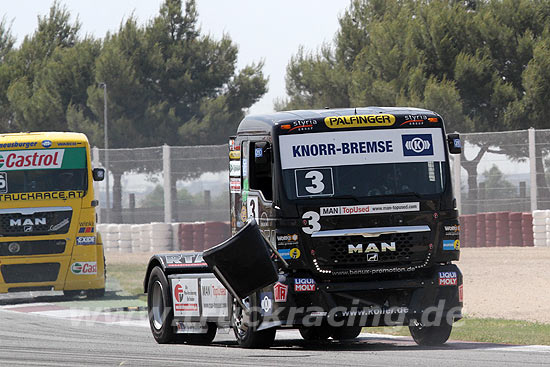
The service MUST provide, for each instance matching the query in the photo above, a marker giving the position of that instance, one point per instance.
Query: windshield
(363, 163)
(43, 170)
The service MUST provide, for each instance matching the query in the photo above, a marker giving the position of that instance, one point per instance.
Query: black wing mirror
(455, 145)
(98, 174)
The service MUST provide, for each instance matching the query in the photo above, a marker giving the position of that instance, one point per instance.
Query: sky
(271, 31)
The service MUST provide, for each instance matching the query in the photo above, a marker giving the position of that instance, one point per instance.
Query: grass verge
(487, 330)
(126, 279)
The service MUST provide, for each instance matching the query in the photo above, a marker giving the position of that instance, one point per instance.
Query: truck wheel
(247, 336)
(346, 332)
(431, 335)
(95, 293)
(72, 294)
(159, 305)
(316, 333)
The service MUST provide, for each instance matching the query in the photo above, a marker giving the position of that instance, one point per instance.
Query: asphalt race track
(28, 340)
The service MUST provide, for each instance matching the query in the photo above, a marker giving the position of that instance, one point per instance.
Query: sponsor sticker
(235, 185)
(287, 239)
(46, 143)
(84, 268)
(184, 260)
(295, 253)
(280, 291)
(213, 298)
(304, 285)
(185, 294)
(59, 225)
(453, 230)
(64, 195)
(417, 144)
(235, 154)
(450, 245)
(447, 278)
(86, 240)
(266, 303)
(461, 293)
(285, 253)
(3, 182)
(338, 122)
(86, 229)
(370, 209)
(31, 159)
(234, 168)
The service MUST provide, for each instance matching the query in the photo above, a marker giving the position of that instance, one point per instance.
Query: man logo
(418, 144)
(371, 248)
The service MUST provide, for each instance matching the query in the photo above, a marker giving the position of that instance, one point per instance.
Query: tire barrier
(198, 236)
(215, 233)
(186, 236)
(505, 229)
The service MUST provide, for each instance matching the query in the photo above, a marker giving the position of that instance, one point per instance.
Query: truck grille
(39, 221)
(27, 273)
(21, 248)
(398, 250)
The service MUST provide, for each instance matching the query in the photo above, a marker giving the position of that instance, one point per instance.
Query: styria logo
(417, 144)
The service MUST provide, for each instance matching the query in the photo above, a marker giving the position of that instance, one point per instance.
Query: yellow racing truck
(48, 238)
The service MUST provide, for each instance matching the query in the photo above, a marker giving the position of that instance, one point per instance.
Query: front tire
(245, 329)
(346, 332)
(159, 306)
(431, 335)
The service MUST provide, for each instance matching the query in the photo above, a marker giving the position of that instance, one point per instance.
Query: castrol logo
(31, 159)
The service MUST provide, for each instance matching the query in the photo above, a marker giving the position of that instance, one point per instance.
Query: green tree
(474, 62)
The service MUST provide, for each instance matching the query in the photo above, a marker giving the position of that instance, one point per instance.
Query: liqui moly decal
(370, 209)
(31, 159)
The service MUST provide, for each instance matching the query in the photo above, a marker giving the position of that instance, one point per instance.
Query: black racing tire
(72, 294)
(159, 307)
(95, 293)
(316, 333)
(431, 335)
(247, 336)
(346, 332)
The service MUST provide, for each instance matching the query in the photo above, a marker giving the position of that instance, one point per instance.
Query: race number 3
(3, 182)
(311, 220)
(314, 182)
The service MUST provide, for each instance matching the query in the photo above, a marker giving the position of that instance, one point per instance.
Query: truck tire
(346, 332)
(316, 333)
(247, 336)
(95, 293)
(159, 306)
(431, 335)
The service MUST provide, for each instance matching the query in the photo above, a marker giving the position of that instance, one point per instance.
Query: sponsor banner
(235, 185)
(234, 168)
(338, 122)
(450, 245)
(42, 159)
(280, 291)
(86, 240)
(84, 268)
(24, 196)
(361, 147)
(304, 285)
(447, 278)
(371, 209)
(185, 295)
(25, 145)
(213, 298)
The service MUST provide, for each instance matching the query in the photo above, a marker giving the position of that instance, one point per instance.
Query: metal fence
(502, 171)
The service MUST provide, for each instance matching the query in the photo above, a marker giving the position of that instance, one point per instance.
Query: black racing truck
(341, 219)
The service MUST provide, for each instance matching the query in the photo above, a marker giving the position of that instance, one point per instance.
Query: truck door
(256, 194)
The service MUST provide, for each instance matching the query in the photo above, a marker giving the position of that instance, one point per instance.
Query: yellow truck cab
(48, 238)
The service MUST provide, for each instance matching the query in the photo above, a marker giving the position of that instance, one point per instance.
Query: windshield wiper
(409, 193)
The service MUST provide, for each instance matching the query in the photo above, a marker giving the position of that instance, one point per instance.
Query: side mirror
(98, 174)
(453, 141)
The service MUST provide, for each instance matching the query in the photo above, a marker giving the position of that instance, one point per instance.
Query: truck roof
(264, 123)
(36, 139)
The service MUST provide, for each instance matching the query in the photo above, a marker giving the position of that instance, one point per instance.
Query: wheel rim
(157, 305)
(240, 320)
